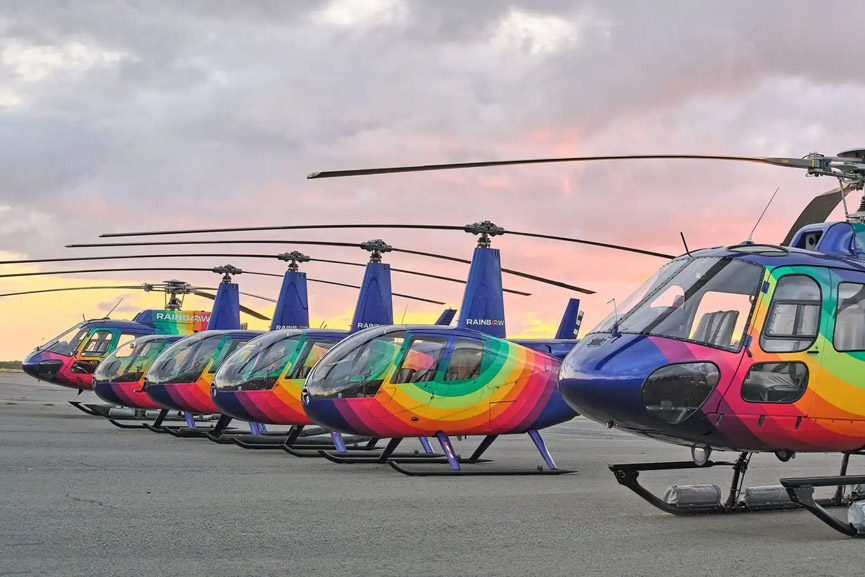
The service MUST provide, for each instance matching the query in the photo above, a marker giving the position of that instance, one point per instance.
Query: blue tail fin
(570, 325)
(446, 317)
(375, 302)
(483, 307)
(292, 308)
(226, 308)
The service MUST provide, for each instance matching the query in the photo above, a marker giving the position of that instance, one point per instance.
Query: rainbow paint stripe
(280, 405)
(514, 391)
(194, 396)
(123, 388)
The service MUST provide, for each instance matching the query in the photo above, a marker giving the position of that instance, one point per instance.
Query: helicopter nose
(39, 367)
(333, 414)
(628, 381)
(602, 377)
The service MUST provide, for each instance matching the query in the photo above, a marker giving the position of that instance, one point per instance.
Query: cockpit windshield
(707, 300)
(187, 359)
(66, 343)
(258, 364)
(357, 366)
(128, 362)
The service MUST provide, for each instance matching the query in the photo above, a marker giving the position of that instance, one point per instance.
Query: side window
(98, 344)
(850, 320)
(126, 337)
(421, 360)
(793, 319)
(465, 362)
(228, 347)
(781, 383)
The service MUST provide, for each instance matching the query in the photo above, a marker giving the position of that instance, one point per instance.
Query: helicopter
(401, 381)
(71, 358)
(768, 362)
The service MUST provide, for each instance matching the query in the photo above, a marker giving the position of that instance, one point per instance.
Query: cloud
(363, 13)
(129, 116)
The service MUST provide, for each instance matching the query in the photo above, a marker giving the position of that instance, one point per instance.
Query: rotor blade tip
(312, 175)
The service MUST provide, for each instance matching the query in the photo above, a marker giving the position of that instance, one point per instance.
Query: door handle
(814, 352)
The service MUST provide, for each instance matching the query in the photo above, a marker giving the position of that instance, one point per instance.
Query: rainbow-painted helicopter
(749, 348)
(70, 359)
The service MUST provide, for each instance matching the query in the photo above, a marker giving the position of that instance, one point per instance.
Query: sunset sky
(131, 115)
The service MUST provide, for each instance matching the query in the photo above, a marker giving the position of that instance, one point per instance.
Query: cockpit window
(313, 350)
(421, 360)
(793, 320)
(67, 343)
(465, 363)
(98, 344)
(258, 364)
(185, 360)
(128, 362)
(707, 300)
(229, 345)
(357, 366)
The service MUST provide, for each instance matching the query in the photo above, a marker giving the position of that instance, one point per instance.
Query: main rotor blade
(328, 243)
(195, 269)
(234, 255)
(129, 269)
(79, 288)
(281, 227)
(818, 210)
(790, 162)
(388, 226)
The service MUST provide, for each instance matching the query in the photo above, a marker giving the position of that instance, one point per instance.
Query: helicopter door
(783, 377)
(839, 393)
(412, 386)
(458, 389)
(96, 346)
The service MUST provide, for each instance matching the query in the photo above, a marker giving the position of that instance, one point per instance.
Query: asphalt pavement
(81, 497)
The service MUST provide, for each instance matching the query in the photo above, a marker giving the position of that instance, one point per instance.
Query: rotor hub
(293, 258)
(376, 248)
(485, 231)
(227, 271)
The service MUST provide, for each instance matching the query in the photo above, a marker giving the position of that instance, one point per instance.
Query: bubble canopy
(128, 362)
(357, 366)
(187, 359)
(263, 361)
(259, 363)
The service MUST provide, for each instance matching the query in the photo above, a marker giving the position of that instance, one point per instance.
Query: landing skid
(381, 457)
(473, 472)
(455, 461)
(799, 492)
(93, 409)
(256, 442)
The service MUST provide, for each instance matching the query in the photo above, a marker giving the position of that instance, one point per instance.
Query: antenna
(751, 236)
(402, 321)
(615, 332)
(114, 307)
(682, 234)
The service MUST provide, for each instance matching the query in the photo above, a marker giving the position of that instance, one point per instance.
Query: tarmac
(81, 497)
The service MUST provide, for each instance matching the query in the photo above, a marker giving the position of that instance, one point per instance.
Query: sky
(136, 115)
